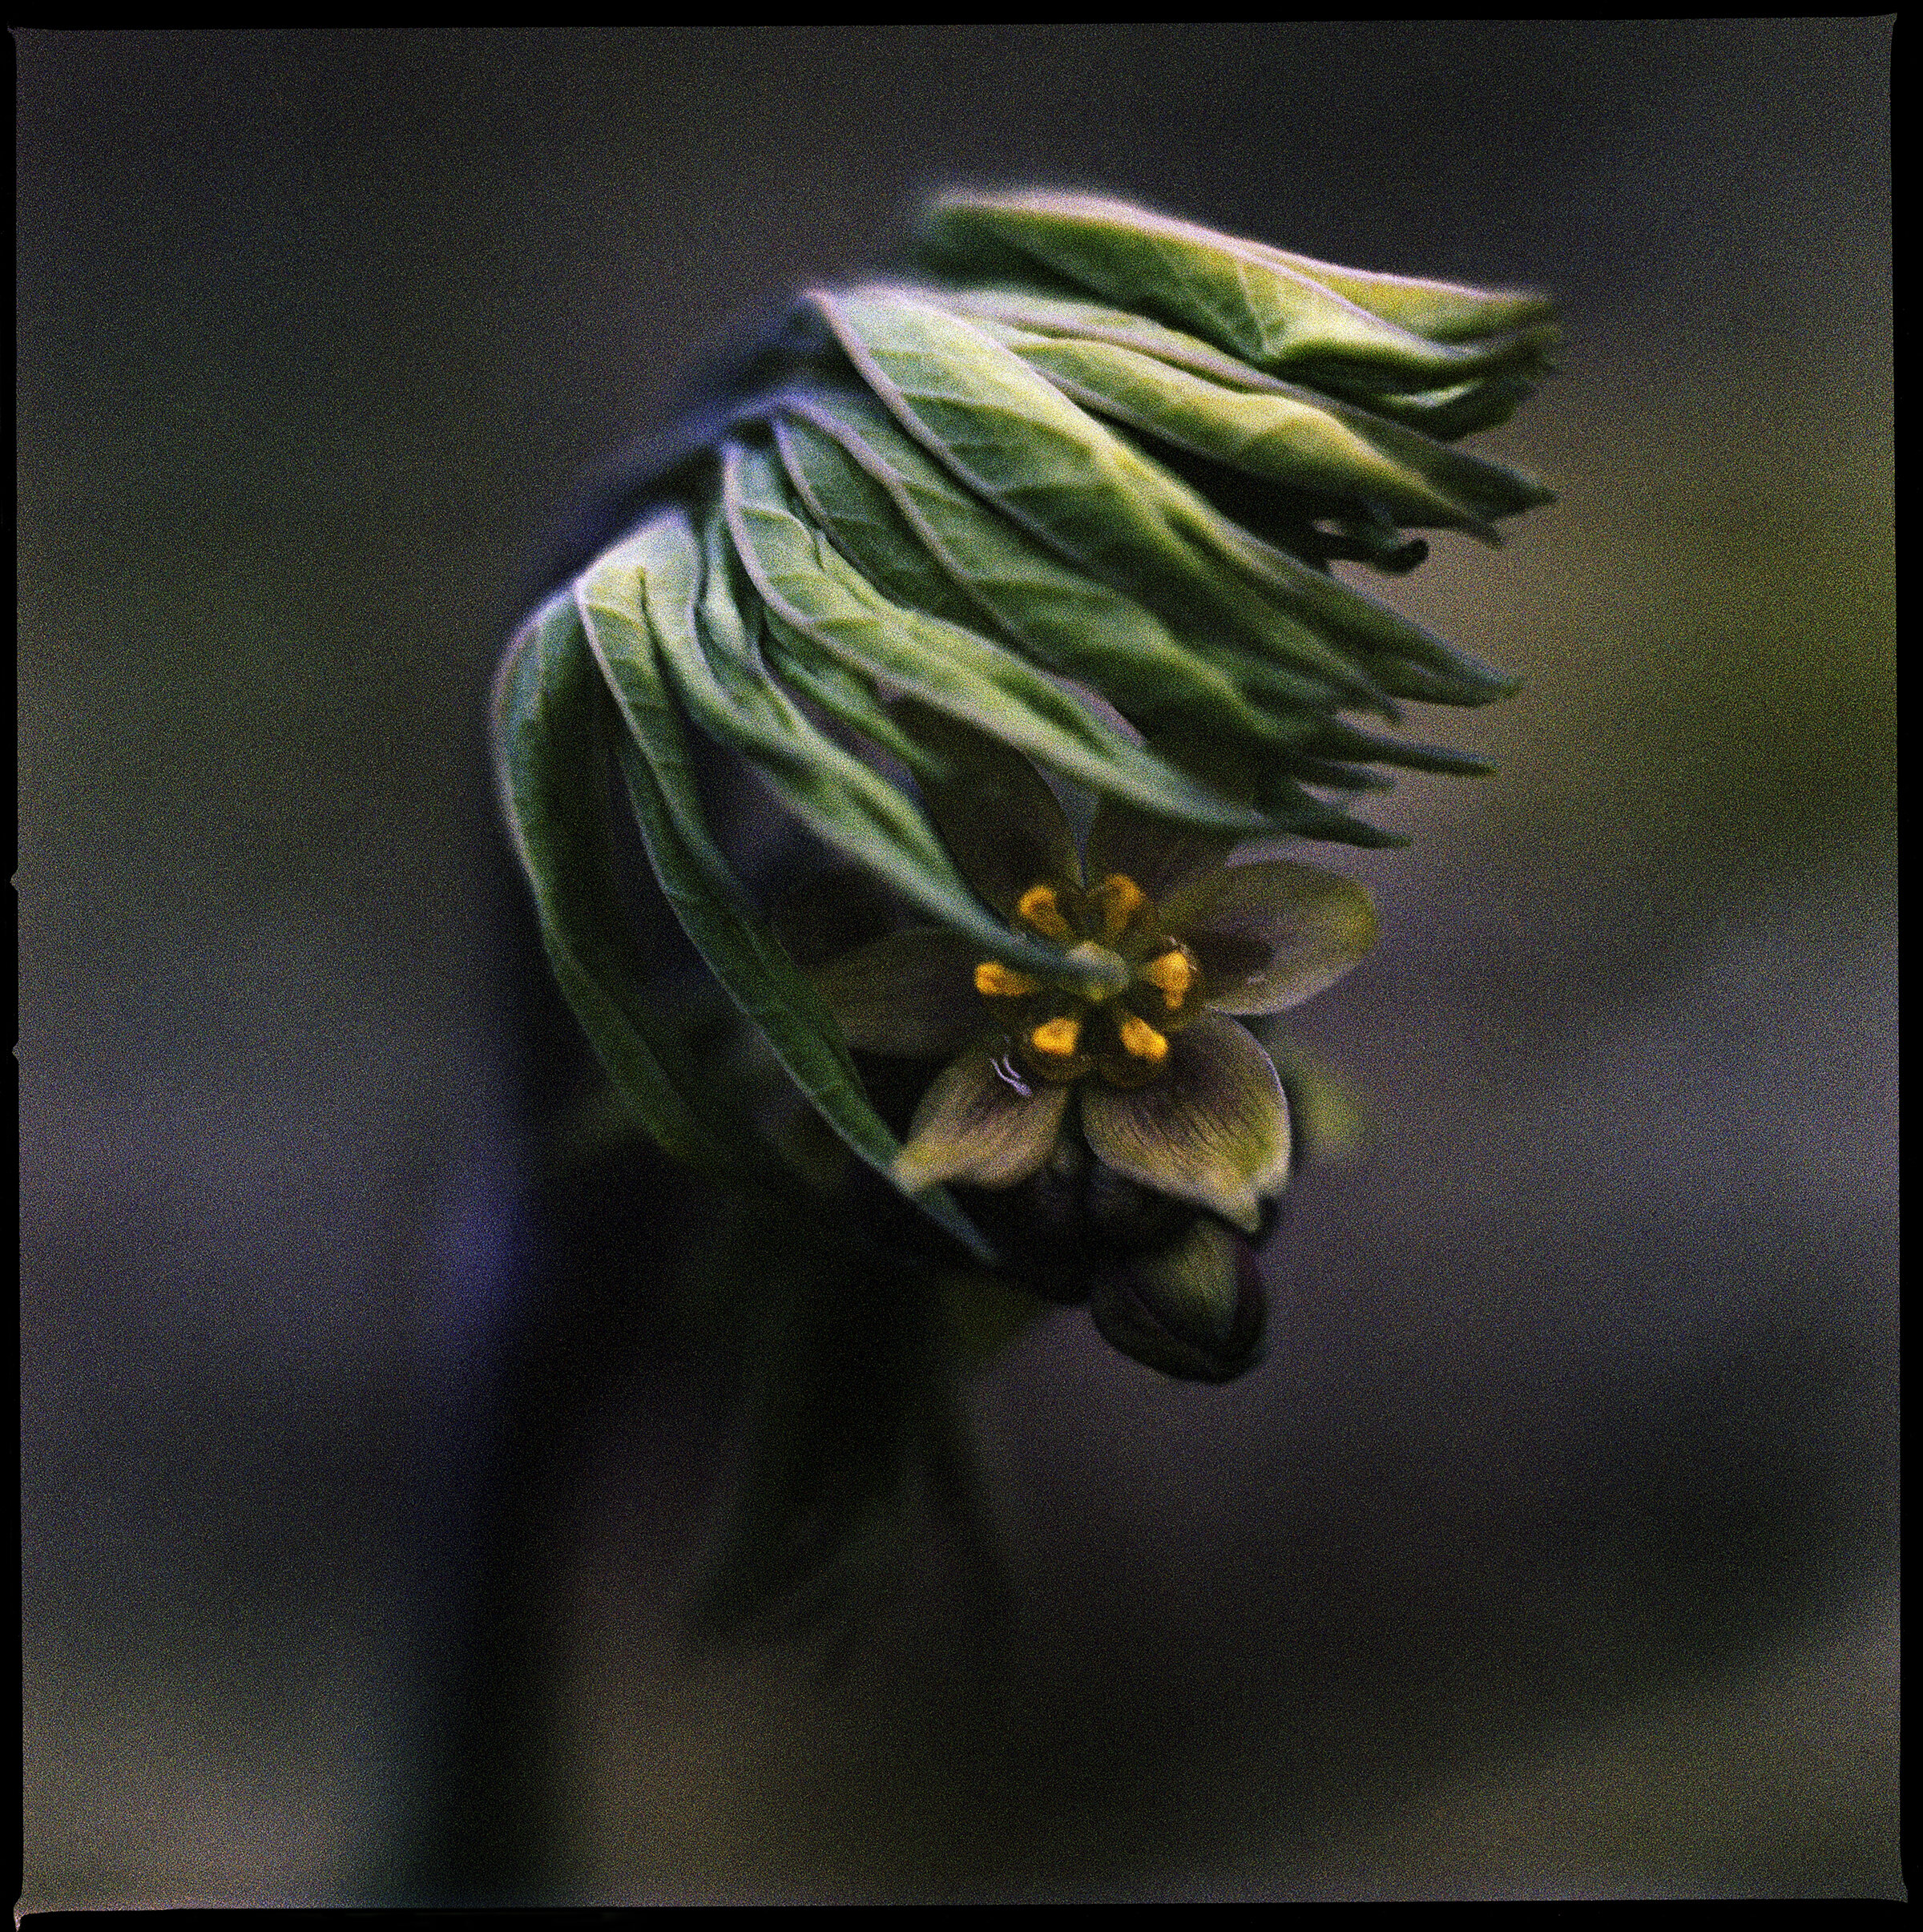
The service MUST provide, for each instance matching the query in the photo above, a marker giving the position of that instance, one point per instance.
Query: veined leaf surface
(551, 767)
(738, 947)
(1260, 304)
(814, 590)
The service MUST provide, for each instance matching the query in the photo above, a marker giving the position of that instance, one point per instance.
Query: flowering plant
(1121, 1072)
(1068, 494)
(1088, 443)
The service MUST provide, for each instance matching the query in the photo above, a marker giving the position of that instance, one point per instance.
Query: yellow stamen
(1057, 1038)
(994, 981)
(1174, 974)
(1142, 1040)
(1037, 905)
(1120, 898)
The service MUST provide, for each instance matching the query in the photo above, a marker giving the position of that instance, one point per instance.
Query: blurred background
(1552, 1551)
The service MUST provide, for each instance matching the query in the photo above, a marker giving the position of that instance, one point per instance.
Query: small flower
(1130, 1050)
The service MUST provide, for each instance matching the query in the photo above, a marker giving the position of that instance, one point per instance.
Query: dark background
(1552, 1550)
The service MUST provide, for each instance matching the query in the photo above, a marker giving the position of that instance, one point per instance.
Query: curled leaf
(551, 767)
(1074, 624)
(1289, 436)
(958, 672)
(1013, 438)
(738, 947)
(1283, 314)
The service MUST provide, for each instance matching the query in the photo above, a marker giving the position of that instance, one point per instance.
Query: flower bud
(1195, 1310)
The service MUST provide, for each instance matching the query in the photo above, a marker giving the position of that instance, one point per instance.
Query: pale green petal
(1212, 1127)
(980, 1122)
(912, 992)
(1271, 935)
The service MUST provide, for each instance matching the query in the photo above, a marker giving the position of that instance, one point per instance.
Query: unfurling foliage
(1079, 448)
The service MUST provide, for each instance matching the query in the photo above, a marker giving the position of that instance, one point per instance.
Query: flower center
(1134, 984)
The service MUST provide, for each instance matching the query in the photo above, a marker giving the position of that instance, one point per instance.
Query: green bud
(1195, 1310)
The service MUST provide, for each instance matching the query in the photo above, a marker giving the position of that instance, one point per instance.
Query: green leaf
(1461, 408)
(1092, 495)
(1072, 623)
(550, 765)
(1454, 678)
(708, 656)
(1445, 312)
(615, 598)
(1086, 493)
(1289, 437)
(808, 583)
(1033, 312)
(850, 696)
(1341, 740)
(1443, 414)
(851, 452)
(1400, 657)
(1337, 777)
(1258, 303)
(864, 520)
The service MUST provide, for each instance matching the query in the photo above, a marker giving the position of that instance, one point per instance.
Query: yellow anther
(1120, 899)
(1039, 907)
(1174, 974)
(994, 981)
(1056, 1038)
(1142, 1040)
